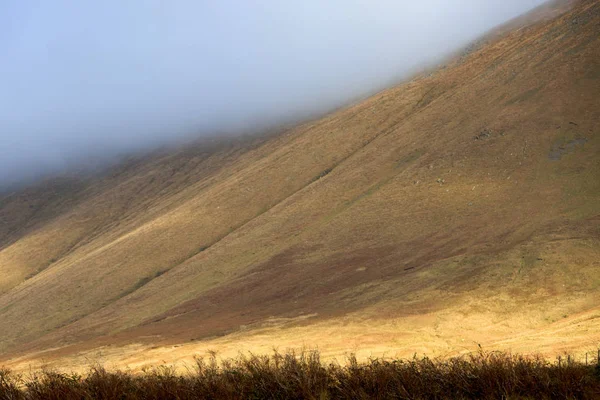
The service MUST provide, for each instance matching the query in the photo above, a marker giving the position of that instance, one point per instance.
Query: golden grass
(459, 205)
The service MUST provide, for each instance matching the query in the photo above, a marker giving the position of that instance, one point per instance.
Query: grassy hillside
(461, 207)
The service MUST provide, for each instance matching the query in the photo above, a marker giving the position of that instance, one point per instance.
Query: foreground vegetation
(304, 376)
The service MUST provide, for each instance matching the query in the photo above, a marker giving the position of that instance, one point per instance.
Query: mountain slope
(462, 204)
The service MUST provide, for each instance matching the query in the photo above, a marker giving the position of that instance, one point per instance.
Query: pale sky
(83, 79)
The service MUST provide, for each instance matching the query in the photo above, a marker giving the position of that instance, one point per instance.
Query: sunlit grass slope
(460, 207)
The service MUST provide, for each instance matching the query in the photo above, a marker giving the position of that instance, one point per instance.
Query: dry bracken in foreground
(303, 376)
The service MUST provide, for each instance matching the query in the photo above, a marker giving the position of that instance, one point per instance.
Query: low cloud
(92, 80)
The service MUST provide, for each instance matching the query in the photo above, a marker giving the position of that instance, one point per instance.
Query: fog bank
(91, 80)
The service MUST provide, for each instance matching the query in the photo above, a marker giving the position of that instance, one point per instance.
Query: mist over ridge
(91, 81)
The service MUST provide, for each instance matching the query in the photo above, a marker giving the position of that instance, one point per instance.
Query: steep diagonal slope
(470, 196)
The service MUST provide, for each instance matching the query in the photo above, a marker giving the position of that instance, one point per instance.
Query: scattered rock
(559, 150)
(484, 134)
